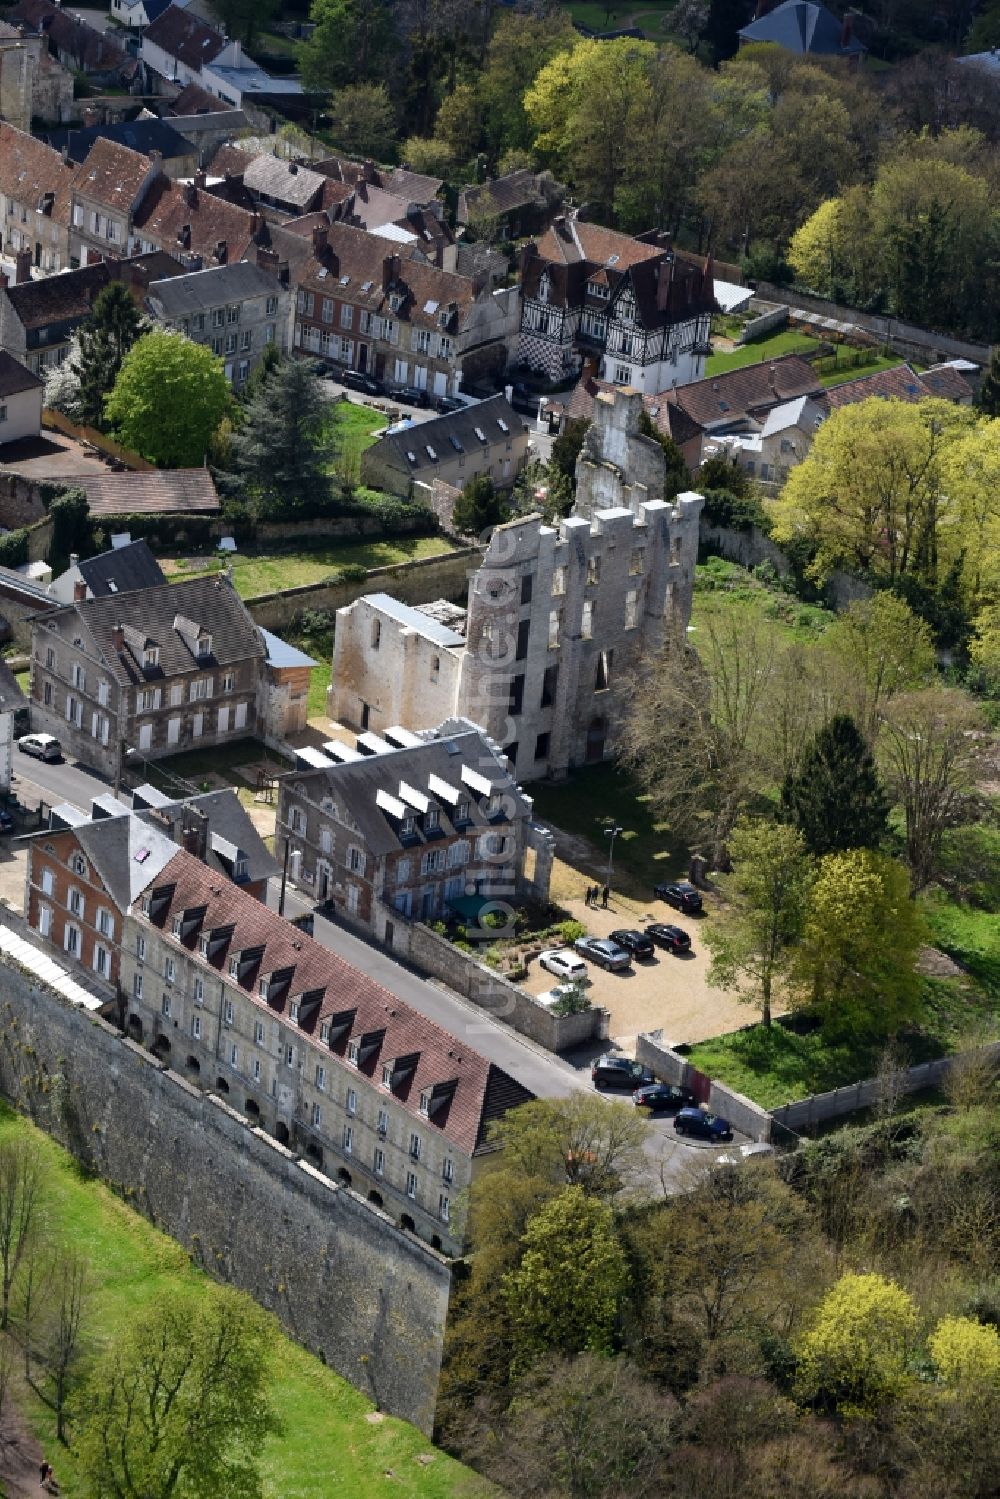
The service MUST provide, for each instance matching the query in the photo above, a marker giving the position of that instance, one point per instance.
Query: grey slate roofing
(280, 653)
(121, 570)
(455, 432)
(15, 377)
(228, 824)
(802, 26)
(284, 180)
(199, 290)
(11, 695)
(128, 853)
(143, 136)
(356, 783)
(415, 619)
(149, 614)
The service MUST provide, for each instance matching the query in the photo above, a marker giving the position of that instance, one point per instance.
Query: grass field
(788, 342)
(327, 1447)
(351, 429)
(605, 15)
(274, 570)
(871, 367)
(971, 937)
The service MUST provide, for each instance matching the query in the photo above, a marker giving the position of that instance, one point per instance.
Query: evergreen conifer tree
(835, 797)
(279, 454)
(115, 323)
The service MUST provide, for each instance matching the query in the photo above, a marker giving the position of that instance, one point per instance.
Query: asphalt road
(65, 781)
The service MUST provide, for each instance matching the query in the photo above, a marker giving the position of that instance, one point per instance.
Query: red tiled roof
(672, 420)
(195, 100)
(730, 397)
(901, 383)
(478, 1090)
(112, 174)
(168, 210)
(187, 37)
(569, 241)
(29, 170)
(152, 492)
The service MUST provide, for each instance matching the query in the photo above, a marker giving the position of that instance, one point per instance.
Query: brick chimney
(79, 591)
(192, 832)
(268, 260)
(91, 117)
(22, 267)
(201, 179)
(320, 239)
(190, 195)
(3, 281)
(390, 271)
(367, 171)
(118, 637)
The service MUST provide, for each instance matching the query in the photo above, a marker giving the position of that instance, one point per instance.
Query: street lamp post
(611, 833)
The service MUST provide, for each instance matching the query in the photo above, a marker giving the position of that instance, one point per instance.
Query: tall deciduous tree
(580, 1140)
(352, 43)
(766, 897)
(856, 962)
(565, 1294)
(103, 341)
(854, 1358)
(363, 120)
(989, 391)
(279, 454)
(21, 1185)
(178, 1404)
(931, 748)
(169, 397)
(874, 649)
(835, 797)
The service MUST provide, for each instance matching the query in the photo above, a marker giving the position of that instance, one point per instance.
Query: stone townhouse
(313, 1050)
(78, 46)
(85, 870)
(486, 438)
(237, 310)
(39, 318)
(558, 618)
(33, 85)
(157, 671)
(642, 311)
(371, 305)
(35, 194)
(414, 825)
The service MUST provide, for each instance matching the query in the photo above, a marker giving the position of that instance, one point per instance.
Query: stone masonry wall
(419, 582)
(344, 1281)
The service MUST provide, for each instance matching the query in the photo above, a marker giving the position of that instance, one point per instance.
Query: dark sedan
(673, 938)
(637, 943)
(663, 1098)
(612, 1071)
(680, 894)
(703, 1126)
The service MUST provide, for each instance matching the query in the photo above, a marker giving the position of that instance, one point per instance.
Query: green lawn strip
(273, 571)
(319, 680)
(778, 344)
(599, 796)
(858, 372)
(327, 1446)
(273, 41)
(971, 937)
(722, 585)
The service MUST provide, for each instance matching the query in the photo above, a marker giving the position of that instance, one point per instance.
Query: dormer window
(204, 645)
(462, 812)
(598, 289)
(175, 925)
(262, 987)
(395, 301)
(496, 804)
(324, 1031)
(387, 1075)
(151, 656)
(425, 1103)
(409, 826)
(352, 1053)
(234, 967)
(432, 820)
(203, 946)
(543, 287)
(293, 1012)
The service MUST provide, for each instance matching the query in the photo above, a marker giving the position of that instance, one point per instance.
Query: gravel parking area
(671, 994)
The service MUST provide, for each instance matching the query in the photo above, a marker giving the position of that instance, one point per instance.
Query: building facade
(236, 310)
(415, 825)
(641, 311)
(314, 1051)
(157, 671)
(557, 620)
(487, 438)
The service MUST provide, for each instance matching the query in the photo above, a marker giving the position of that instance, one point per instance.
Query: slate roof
(803, 411)
(211, 287)
(228, 823)
(113, 843)
(356, 784)
(284, 180)
(187, 37)
(467, 1090)
(803, 27)
(371, 206)
(724, 400)
(901, 383)
(521, 189)
(416, 187)
(121, 570)
(449, 435)
(143, 136)
(16, 377)
(150, 614)
(30, 170)
(149, 492)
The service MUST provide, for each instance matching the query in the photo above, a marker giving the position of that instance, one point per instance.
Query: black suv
(620, 1072)
(356, 380)
(681, 894)
(637, 943)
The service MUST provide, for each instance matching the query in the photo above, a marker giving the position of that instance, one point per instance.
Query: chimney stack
(79, 591)
(390, 270)
(190, 195)
(22, 267)
(118, 637)
(846, 30)
(320, 239)
(201, 178)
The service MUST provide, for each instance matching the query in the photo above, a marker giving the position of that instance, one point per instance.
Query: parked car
(41, 746)
(411, 396)
(357, 380)
(446, 404)
(321, 369)
(741, 1153)
(663, 1098)
(703, 1126)
(604, 953)
(610, 1071)
(524, 400)
(673, 938)
(558, 991)
(563, 963)
(7, 823)
(681, 894)
(636, 943)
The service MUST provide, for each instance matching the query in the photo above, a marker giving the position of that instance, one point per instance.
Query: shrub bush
(570, 931)
(14, 548)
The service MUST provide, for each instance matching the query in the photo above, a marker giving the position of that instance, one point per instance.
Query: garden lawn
(871, 367)
(788, 342)
(327, 1446)
(600, 796)
(971, 937)
(222, 760)
(721, 585)
(605, 15)
(355, 426)
(274, 571)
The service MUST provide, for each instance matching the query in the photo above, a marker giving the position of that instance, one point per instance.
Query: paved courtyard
(671, 994)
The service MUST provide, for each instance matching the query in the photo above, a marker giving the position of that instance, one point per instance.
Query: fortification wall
(349, 1285)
